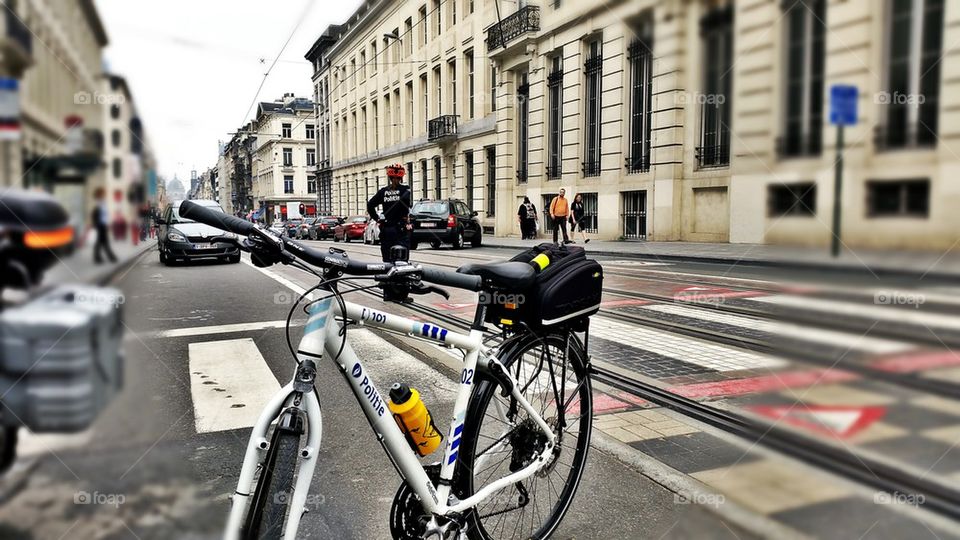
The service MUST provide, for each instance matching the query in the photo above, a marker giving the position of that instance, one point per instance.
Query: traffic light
(303, 209)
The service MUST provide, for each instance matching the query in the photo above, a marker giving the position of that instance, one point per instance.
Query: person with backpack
(576, 218)
(559, 213)
(527, 215)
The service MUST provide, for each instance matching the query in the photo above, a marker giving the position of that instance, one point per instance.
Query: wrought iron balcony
(920, 136)
(712, 156)
(522, 176)
(525, 19)
(553, 172)
(442, 127)
(639, 164)
(591, 168)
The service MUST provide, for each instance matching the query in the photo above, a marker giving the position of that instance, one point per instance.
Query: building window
(804, 65)
(353, 73)
(311, 157)
(491, 157)
(716, 30)
(451, 12)
(326, 194)
(363, 64)
(373, 57)
(468, 177)
(311, 184)
(425, 105)
(792, 199)
(397, 120)
(423, 25)
(288, 184)
(634, 205)
(396, 46)
(311, 131)
(468, 61)
(554, 117)
(452, 76)
(117, 167)
(899, 198)
(409, 130)
(909, 116)
(641, 98)
(407, 37)
(115, 111)
(286, 131)
(589, 211)
(493, 88)
(523, 127)
(388, 121)
(409, 174)
(376, 125)
(469, 6)
(436, 18)
(115, 138)
(438, 84)
(593, 69)
(437, 183)
(424, 190)
(288, 157)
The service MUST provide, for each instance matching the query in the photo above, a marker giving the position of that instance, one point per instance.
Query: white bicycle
(518, 438)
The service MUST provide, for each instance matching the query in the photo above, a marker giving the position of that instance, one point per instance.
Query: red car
(351, 229)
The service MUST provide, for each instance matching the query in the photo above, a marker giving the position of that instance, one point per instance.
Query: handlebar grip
(452, 279)
(220, 220)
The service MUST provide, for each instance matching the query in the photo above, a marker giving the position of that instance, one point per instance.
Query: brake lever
(420, 288)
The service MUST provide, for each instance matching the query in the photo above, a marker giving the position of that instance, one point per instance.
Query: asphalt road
(145, 472)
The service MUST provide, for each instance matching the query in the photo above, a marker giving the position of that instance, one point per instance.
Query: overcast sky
(194, 66)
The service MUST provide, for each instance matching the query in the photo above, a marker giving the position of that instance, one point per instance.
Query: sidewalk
(909, 263)
(80, 268)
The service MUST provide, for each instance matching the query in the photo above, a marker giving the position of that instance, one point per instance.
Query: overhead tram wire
(371, 59)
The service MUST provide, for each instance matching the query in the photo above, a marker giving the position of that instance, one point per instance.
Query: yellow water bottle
(414, 419)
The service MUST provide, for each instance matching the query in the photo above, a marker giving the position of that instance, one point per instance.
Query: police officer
(396, 200)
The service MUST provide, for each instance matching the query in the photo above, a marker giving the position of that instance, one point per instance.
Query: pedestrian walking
(396, 200)
(576, 218)
(100, 220)
(559, 213)
(527, 215)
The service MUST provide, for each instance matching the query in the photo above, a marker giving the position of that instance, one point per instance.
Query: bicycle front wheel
(500, 437)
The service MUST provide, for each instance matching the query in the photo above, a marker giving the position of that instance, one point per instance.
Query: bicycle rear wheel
(500, 438)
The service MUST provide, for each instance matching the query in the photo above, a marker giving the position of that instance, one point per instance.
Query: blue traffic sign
(843, 104)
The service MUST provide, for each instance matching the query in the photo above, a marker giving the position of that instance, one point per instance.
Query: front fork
(301, 395)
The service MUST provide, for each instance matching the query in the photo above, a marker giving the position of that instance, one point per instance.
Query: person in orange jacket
(560, 213)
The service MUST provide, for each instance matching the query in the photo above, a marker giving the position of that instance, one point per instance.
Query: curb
(845, 268)
(108, 274)
(691, 490)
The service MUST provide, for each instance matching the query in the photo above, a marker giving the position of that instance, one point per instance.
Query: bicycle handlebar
(220, 220)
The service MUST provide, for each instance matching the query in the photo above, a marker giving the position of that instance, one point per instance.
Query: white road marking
(693, 351)
(230, 384)
(829, 337)
(875, 312)
(219, 329)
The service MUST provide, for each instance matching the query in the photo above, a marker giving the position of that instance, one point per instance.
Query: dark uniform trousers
(393, 234)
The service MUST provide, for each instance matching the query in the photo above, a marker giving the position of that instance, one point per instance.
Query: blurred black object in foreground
(34, 232)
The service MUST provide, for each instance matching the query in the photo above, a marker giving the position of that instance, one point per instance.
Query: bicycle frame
(321, 334)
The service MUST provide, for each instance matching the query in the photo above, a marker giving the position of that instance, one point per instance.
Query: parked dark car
(291, 225)
(323, 227)
(351, 229)
(303, 230)
(181, 239)
(444, 222)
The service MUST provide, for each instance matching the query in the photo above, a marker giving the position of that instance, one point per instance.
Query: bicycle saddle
(506, 274)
